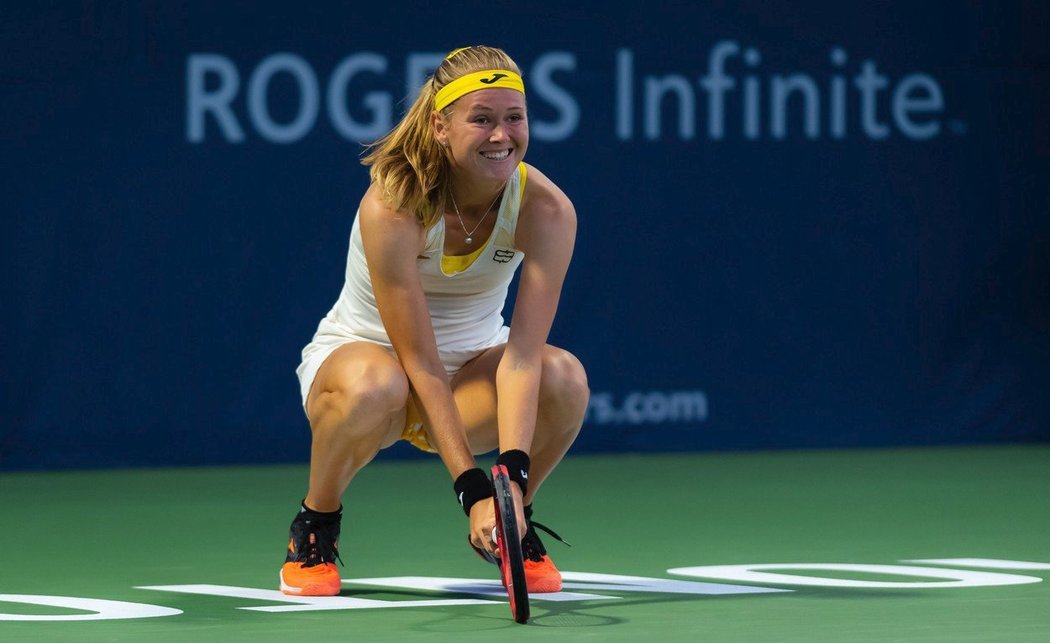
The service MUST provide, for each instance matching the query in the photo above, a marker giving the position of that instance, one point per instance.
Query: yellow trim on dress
(455, 264)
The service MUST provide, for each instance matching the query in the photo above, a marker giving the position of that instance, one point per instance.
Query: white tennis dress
(465, 302)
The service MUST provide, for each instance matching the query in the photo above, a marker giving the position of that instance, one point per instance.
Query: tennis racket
(512, 563)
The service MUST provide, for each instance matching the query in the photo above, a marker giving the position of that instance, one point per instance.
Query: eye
(481, 119)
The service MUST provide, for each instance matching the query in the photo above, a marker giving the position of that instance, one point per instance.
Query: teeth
(496, 156)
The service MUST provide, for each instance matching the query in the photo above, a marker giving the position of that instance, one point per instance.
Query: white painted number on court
(586, 586)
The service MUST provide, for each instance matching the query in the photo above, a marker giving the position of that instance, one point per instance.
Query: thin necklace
(470, 235)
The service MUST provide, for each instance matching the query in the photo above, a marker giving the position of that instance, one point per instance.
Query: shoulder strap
(508, 214)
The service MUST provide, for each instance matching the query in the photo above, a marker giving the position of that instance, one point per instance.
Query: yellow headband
(473, 82)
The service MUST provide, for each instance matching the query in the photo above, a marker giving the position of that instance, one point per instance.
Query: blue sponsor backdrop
(823, 225)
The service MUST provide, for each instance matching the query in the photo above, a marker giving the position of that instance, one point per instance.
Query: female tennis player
(415, 347)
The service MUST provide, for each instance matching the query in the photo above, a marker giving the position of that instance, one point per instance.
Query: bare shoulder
(545, 201)
(378, 217)
(375, 209)
(548, 218)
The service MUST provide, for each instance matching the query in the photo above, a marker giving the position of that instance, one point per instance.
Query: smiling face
(486, 133)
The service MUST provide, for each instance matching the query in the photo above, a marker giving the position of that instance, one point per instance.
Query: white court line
(982, 563)
(477, 587)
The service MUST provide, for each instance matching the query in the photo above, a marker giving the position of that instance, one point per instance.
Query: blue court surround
(808, 227)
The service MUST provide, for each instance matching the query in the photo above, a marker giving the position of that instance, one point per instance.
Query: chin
(504, 169)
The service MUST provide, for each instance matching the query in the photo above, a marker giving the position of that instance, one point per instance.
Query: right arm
(392, 241)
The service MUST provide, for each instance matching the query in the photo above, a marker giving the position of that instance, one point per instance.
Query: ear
(438, 128)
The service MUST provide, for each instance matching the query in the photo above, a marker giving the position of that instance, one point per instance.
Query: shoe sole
(312, 589)
(544, 586)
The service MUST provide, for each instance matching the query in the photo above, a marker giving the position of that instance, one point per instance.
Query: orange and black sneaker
(313, 547)
(541, 576)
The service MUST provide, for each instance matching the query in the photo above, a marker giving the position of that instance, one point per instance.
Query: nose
(499, 133)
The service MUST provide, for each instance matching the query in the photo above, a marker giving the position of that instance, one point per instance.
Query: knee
(563, 386)
(370, 392)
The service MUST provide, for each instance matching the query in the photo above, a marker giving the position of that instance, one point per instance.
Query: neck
(476, 199)
(478, 206)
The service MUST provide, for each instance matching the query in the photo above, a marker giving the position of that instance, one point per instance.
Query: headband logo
(495, 77)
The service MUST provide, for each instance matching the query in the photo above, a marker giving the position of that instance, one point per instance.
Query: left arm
(546, 233)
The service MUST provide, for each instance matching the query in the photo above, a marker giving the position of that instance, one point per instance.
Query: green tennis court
(204, 545)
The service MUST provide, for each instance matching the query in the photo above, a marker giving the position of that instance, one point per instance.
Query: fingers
(483, 526)
(483, 521)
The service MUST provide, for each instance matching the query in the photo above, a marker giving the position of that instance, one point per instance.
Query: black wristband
(472, 485)
(517, 463)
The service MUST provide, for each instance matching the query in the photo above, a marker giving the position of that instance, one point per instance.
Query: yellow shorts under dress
(414, 432)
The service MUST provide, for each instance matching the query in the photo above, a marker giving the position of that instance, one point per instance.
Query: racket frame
(512, 561)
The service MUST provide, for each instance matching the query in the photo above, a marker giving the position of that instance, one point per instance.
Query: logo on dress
(503, 256)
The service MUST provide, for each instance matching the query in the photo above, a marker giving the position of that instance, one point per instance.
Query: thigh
(474, 391)
(362, 370)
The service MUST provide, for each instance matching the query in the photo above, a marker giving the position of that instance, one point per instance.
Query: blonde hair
(408, 165)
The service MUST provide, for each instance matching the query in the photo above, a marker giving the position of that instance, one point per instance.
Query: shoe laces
(531, 546)
(316, 543)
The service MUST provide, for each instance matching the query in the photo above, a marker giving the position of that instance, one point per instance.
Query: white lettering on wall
(647, 407)
(378, 104)
(542, 84)
(213, 84)
(308, 98)
(736, 96)
(200, 101)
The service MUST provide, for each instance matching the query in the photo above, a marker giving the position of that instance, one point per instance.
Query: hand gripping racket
(512, 563)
